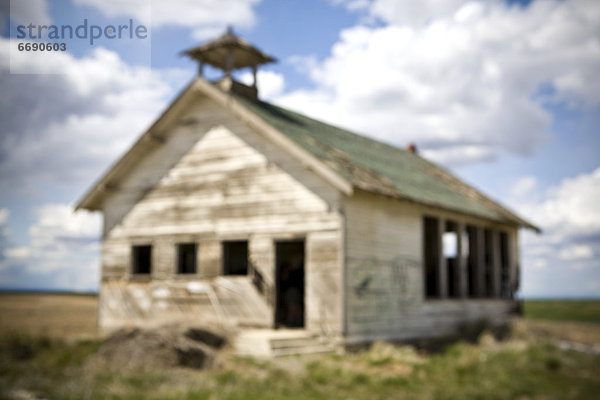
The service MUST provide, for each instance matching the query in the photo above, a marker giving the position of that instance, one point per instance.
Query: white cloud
(416, 12)
(17, 253)
(270, 84)
(523, 187)
(405, 12)
(103, 105)
(568, 248)
(576, 252)
(59, 132)
(4, 213)
(62, 244)
(460, 153)
(60, 221)
(568, 210)
(469, 84)
(205, 17)
(4, 233)
(539, 263)
(352, 5)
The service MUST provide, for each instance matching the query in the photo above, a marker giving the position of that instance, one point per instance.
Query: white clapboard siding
(228, 300)
(261, 196)
(215, 179)
(323, 283)
(384, 274)
(241, 163)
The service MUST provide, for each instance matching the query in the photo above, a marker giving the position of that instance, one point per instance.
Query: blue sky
(504, 94)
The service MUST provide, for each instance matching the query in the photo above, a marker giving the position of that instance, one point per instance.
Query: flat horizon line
(9, 290)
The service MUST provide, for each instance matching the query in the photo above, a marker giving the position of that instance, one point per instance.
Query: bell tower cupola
(228, 53)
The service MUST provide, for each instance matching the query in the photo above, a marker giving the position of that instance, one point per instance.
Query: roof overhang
(229, 51)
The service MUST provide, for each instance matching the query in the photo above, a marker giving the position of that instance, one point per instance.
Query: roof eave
(91, 199)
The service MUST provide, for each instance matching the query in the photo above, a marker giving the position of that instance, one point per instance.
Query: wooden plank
(496, 269)
(245, 195)
(461, 261)
(322, 282)
(479, 249)
(209, 258)
(442, 263)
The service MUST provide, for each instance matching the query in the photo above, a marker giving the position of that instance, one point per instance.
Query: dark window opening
(450, 246)
(472, 268)
(235, 257)
(504, 267)
(476, 261)
(488, 290)
(431, 251)
(186, 258)
(141, 259)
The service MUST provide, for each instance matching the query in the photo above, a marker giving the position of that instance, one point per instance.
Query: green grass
(514, 369)
(563, 310)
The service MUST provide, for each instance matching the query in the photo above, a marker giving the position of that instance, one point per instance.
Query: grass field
(35, 359)
(52, 315)
(563, 310)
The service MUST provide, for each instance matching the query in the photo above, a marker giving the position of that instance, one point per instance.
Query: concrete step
(304, 344)
(312, 349)
(296, 342)
(276, 343)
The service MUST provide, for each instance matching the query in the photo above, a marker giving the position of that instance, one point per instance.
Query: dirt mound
(166, 346)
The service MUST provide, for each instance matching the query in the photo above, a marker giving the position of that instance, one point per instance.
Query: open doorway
(289, 267)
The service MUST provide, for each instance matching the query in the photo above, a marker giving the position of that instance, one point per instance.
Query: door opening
(289, 267)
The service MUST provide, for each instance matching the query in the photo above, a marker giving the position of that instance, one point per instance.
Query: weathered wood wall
(384, 282)
(215, 179)
(225, 300)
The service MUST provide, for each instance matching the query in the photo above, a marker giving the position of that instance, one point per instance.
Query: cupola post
(254, 70)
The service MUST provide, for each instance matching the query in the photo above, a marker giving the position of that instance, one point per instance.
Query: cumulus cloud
(417, 13)
(412, 13)
(60, 236)
(98, 106)
(206, 17)
(523, 187)
(59, 132)
(63, 244)
(568, 210)
(4, 213)
(4, 233)
(352, 5)
(466, 81)
(570, 244)
(575, 252)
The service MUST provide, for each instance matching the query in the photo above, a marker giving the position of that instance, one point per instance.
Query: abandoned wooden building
(232, 209)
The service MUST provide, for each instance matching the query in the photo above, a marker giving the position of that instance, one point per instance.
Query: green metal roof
(380, 168)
